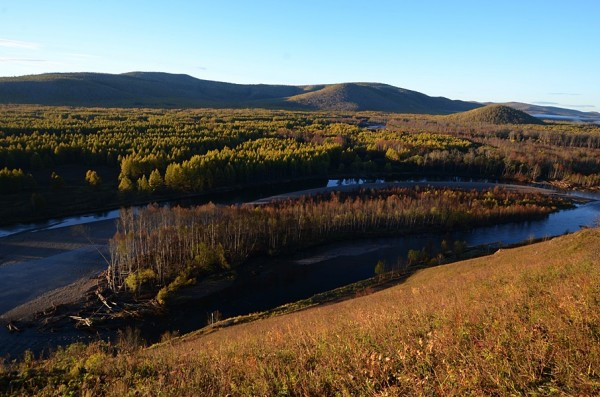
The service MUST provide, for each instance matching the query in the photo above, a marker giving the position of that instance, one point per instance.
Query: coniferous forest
(102, 158)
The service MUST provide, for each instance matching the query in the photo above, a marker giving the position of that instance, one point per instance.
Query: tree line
(164, 245)
(200, 149)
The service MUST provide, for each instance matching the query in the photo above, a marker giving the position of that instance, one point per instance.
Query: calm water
(222, 198)
(299, 276)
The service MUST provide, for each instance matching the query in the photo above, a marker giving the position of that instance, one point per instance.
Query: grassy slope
(519, 321)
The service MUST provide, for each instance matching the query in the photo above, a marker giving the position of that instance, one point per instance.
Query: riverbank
(526, 315)
(119, 200)
(47, 243)
(297, 276)
(87, 310)
(247, 192)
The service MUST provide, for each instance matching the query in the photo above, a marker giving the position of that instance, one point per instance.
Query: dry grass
(522, 321)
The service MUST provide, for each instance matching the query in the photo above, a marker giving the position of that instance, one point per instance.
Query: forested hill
(495, 114)
(144, 89)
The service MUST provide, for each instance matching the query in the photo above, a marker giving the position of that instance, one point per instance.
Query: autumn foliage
(175, 241)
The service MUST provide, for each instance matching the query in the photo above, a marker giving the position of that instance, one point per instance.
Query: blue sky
(545, 52)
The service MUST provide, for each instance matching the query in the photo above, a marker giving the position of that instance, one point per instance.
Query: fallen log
(81, 320)
(103, 300)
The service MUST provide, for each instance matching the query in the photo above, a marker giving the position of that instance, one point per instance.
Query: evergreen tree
(125, 184)
(142, 184)
(155, 181)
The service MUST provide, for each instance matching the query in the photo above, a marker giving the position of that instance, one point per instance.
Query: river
(286, 279)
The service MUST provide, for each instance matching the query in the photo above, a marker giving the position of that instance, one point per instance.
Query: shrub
(134, 281)
(165, 293)
(380, 268)
(92, 178)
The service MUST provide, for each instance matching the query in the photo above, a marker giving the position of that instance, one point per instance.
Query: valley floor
(520, 321)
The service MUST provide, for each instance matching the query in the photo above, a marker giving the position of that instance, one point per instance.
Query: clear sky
(544, 52)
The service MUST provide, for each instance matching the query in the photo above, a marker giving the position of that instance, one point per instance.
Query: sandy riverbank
(34, 263)
(34, 245)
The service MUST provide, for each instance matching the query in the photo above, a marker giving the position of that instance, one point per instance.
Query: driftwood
(12, 327)
(82, 320)
(104, 301)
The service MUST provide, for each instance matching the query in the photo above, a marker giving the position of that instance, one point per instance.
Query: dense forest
(48, 154)
(171, 247)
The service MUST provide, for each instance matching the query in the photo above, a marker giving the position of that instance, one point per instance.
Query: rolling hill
(144, 89)
(495, 114)
(165, 90)
(375, 96)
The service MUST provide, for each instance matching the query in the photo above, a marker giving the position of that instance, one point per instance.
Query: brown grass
(521, 321)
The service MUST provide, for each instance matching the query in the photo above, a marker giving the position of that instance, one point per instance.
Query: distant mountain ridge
(150, 89)
(552, 110)
(156, 89)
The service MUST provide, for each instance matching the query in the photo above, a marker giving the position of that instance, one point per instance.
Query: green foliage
(207, 260)
(137, 279)
(166, 293)
(197, 150)
(175, 178)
